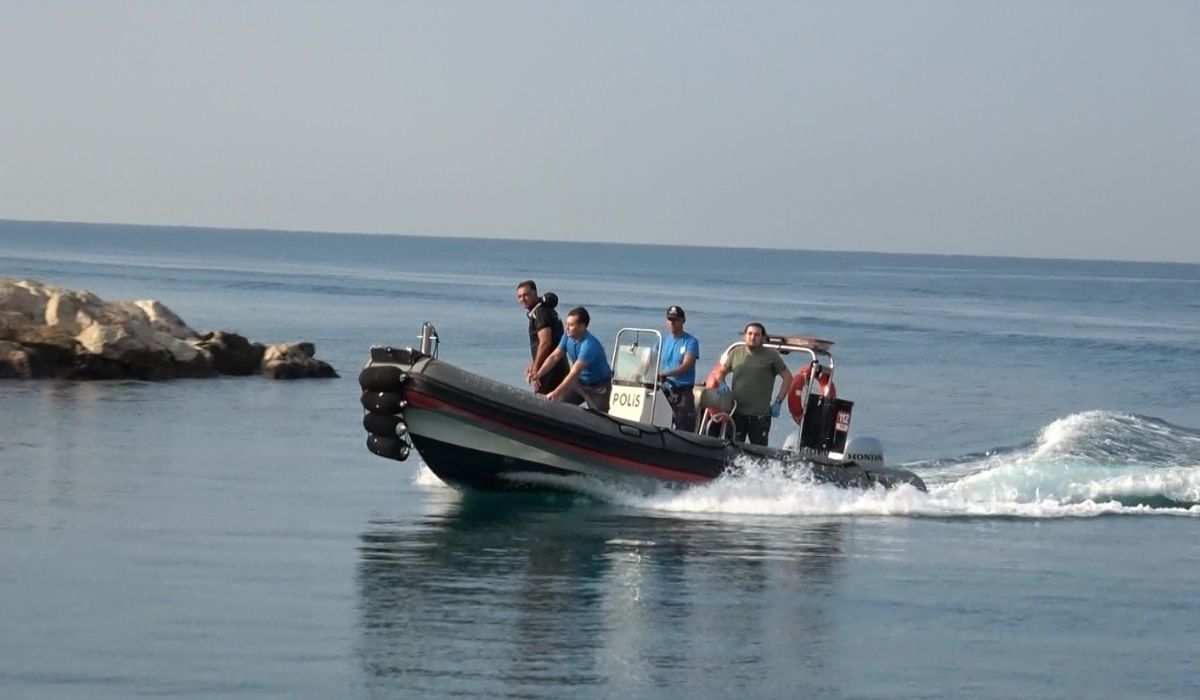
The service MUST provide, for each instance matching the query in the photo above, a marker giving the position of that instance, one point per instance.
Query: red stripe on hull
(419, 400)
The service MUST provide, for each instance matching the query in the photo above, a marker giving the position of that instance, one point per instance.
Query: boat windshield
(635, 356)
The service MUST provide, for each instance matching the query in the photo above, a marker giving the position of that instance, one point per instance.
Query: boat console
(636, 393)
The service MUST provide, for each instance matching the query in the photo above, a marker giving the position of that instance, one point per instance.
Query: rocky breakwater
(48, 332)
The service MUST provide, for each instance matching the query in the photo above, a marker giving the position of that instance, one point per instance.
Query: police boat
(478, 433)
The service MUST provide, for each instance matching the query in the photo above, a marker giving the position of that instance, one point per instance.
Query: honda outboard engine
(826, 425)
(865, 451)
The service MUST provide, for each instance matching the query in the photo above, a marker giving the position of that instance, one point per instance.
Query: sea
(233, 537)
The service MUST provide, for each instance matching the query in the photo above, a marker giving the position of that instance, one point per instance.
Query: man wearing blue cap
(677, 374)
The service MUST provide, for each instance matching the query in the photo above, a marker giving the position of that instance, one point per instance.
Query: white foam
(622, 542)
(1063, 434)
(1180, 484)
(995, 493)
(424, 476)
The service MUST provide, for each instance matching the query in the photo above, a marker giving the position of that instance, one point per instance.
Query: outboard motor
(826, 425)
(865, 451)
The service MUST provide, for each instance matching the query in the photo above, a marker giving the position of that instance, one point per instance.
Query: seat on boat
(720, 405)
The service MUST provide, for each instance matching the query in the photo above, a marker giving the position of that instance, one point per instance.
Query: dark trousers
(683, 408)
(553, 378)
(752, 428)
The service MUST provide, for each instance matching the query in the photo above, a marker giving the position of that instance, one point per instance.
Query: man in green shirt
(754, 370)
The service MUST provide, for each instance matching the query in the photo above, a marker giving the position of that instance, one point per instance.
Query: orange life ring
(795, 400)
(800, 382)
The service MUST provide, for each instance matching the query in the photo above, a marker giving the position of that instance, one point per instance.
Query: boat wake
(1086, 464)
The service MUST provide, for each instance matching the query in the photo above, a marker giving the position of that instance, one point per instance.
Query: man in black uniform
(545, 332)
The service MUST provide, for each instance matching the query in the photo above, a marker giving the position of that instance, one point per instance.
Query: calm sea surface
(234, 538)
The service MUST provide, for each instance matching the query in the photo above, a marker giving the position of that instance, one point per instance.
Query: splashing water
(1085, 462)
(424, 476)
(1118, 437)
(1084, 465)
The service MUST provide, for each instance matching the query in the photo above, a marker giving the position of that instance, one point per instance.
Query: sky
(1022, 128)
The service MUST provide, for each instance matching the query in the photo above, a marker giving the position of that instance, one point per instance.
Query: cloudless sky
(1047, 129)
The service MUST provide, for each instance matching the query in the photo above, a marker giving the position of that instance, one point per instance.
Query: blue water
(234, 538)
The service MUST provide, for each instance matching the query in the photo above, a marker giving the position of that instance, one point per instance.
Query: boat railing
(816, 350)
(718, 417)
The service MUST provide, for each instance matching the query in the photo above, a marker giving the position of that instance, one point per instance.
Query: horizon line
(714, 246)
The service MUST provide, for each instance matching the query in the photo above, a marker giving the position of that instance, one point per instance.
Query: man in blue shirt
(680, 351)
(590, 377)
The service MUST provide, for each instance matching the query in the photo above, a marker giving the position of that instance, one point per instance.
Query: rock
(15, 362)
(65, 312)
(48, 331)
(34, 351)
(17, 297)
(294, 361)
(15, 325)
(165, 321)
(232, 353)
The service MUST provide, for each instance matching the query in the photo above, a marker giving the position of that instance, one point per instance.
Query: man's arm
(783, 371)
(725, 366)
(546, 366)
(568, 381)
(689, 361)
(544, 348)
(787, 384)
